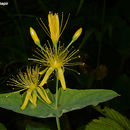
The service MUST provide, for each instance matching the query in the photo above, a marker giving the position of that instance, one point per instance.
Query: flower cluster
(53, 57)
(56, 57)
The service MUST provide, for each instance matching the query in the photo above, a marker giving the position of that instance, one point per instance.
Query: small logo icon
(3, 3)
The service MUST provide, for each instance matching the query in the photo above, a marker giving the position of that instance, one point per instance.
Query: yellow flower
(55, 29)
(29, 81)
(57, 57)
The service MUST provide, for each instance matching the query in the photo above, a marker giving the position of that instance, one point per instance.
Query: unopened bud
(34, 36)
(77, 34)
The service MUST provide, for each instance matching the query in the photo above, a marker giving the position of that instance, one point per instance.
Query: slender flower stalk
(29, 81)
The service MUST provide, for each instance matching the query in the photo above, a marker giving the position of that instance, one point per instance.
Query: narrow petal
(43, 71)
(50, 21)
(28, 95)
(57, 33)
(47, 100)
(48, 73)
(61, 78)
(33, 99)
(53, 21)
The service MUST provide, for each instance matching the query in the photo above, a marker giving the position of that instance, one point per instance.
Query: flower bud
(54, 27)
(34, 36)
(77, 34)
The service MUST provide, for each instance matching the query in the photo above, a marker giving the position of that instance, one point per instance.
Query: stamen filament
(65, 25)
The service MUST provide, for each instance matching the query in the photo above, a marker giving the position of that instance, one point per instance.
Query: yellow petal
(43, 71)
(28, 95)
(61, 78)
(33, 99)
(53, 21)
(47, 100)
(48, 73)
(57, 31)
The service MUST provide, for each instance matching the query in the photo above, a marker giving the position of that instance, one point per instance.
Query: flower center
(56, 64)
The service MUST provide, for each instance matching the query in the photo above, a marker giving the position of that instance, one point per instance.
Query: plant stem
(56, 89)
(58, 123)
(57, 118)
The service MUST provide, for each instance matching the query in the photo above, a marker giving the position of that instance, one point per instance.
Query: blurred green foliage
(113, 120)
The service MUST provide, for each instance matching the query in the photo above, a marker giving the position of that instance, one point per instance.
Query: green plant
(53, 58)
(113, 120)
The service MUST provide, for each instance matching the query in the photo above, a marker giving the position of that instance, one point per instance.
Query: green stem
(57, 118)
(55, 45)
(56, 89)
(58, 123)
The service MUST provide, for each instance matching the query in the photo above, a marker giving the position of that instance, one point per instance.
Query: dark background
(105, 41)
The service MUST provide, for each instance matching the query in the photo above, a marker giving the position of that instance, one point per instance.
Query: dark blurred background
(104, 48)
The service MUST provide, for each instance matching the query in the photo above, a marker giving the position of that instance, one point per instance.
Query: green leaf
(116, 116)
(69, 100)
(113, 120)
(2, 127)
(103, 124)
(73, 99)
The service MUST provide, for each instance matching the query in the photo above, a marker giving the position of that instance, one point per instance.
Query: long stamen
(73, 70)
(44, 27)
(65, 25)
(70, 55)
(73, 64)
(61, 22)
